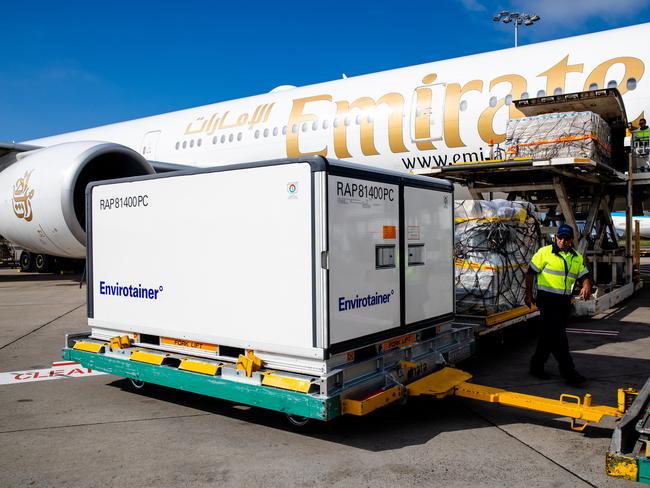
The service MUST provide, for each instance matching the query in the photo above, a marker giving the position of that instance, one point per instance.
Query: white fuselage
(404, 119)
(644, 224)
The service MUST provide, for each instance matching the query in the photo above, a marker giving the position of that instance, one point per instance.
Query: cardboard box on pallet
(558, 135)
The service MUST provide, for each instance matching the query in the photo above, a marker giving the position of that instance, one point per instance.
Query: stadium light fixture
(517, 18)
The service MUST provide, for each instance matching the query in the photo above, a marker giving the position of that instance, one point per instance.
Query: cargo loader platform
(562, 186)
(579, 191)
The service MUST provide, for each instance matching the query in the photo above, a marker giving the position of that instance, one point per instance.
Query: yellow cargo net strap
(466, 264)
(515, 149)
(521, 218)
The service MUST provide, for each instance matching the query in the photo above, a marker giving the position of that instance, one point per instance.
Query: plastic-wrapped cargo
(558, 135)
(493, 244)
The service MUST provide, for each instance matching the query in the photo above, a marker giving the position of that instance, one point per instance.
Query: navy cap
(565, 230)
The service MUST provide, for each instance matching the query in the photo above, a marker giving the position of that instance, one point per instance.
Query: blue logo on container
(363, 302)
(129, 291)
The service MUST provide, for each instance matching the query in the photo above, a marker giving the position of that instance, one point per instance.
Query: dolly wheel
(297, 420)
(137, 384)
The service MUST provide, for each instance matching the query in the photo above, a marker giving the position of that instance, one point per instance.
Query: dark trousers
(554, 311)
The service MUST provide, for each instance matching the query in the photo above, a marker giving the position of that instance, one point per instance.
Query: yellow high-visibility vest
(557, 272)
(642, 134)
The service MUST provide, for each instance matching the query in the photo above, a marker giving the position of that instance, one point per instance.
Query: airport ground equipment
(578, 191)
(8, 253)
(264, 321)
(304, 397)
(629, 451)
(320, 281)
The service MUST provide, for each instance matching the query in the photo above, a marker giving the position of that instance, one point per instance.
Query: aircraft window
(418, 112)
(336, 122)
(284, 130)
(347, 120)
(304, 127)
(178, 144)
(631, 83)
(198, 142)
(325, 124)
(508, 99)
(191, 142)
(612, 84)
(239, 136)
(184, 144)
(223, 138)
(524, 96)
(314, 126)
(266, 133)
(294, 128)
(493, 101)
(370, 119)
(215, 139)
(275, 131)
(231, 137)
(257, 134)
(557, 91)
(463, 105)
(357, 120)
(593, 86)
(541, 93)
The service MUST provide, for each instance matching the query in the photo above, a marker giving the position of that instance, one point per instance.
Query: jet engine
(42, 194)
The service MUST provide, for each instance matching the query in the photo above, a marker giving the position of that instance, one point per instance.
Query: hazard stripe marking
(59, 370)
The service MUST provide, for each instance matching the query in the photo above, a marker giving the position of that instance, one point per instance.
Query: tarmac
(86, 431)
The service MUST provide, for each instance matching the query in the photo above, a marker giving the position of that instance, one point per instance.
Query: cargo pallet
(487, 324)
(564, 186)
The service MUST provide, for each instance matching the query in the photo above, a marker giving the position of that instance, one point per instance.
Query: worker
(557, 267)
(643, 132)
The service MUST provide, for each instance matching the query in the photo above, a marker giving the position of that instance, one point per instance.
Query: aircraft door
(427, 112)
(149, 144)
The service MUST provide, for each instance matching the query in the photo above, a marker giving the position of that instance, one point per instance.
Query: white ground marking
(59, 370)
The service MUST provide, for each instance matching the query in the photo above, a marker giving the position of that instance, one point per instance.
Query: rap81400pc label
(361, 190)
(132, 201)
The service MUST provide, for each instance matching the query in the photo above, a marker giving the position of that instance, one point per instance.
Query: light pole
(517, 19)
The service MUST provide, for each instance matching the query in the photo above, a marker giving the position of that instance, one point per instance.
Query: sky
(72, 65)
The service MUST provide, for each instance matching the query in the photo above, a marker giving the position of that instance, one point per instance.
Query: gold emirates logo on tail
(22, 198)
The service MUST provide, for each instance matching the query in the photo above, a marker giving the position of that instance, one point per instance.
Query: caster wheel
(297, 420)
(137, 385)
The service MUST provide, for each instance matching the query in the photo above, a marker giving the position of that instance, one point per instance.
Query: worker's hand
(585, 291)
(529, 300)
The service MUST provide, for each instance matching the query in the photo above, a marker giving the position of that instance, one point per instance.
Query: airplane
(644, 223)
(406, 119)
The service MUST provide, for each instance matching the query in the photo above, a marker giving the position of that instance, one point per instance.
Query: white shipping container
(296, 260)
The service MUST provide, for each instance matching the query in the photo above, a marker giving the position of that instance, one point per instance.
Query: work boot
(573, 378)
(539, 373)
